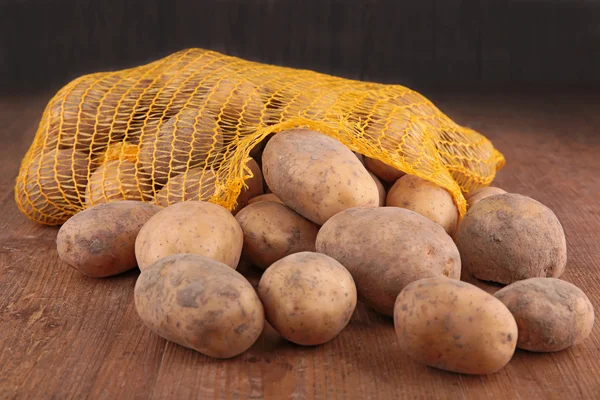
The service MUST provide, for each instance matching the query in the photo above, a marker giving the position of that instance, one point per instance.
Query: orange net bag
(182, 128)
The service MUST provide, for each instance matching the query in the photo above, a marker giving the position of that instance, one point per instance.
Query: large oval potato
(100, 241)
(117, 180)
(454, 326)
(195, 184)
(273, 231)
(199, 303)
(316, 175)
(185, 141)
(265, 197)
(426, 198)
(383, 171)
(254, 187)
(387, 248)
(194, 227)
(509, 237)
(476, 196)
(308, 297)
(551, 314)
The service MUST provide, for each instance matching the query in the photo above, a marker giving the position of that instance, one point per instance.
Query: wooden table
(63, 335)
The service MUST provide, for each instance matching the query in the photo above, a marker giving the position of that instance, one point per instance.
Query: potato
(194, 227)
(380, 189)
(53, 182)
(239, 105)
(254, 187)
(100, 241)
(308, 297)
(195, 184)
(189, 139)
(551, 314)
(383, 171)
(509, 237)
(265, 197)
(426, 198)
(360, 157)
(454, 326)
(273, 231)
(117, 180)
(199, 303)
(477, 195)
(316, 175)
(387, 248)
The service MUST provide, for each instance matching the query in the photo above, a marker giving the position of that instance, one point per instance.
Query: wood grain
(63, 335)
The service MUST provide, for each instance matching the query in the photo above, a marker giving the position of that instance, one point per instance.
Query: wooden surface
(416, 43)
(63, 335)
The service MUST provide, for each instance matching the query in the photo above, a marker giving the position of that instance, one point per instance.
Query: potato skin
(426, 198)
(273, 231)
(195, 227)
(195, 184)
(255, 187)
(551, 314)
(316, 175)
(100, 241)
(383, 171)
(477, 195)
(380, 189)
(454, 326)
(117, 180)
(394, 247)
(265, 197)
(509, 237)
(308, 297)
(199, 303)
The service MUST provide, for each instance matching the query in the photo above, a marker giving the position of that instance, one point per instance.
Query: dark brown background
(45, 43)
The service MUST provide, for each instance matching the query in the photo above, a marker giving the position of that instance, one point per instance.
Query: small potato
(315, 175)
(194, 227)
(199, 303)
(54, 183)
(426, 198)
(254, 187)
(383, 171)
(117, 180)
(308, 297)
(551, 314)
(360, 157)
(380, 189)
(509, 237)
(265, 197)
(185, 141)
(477, 195)
(454, 326)
(100, 241)
(195, 184)
(273, 231)
(387, 248)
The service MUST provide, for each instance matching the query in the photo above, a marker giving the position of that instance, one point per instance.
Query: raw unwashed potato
(360, 157)
(477, 195)
(187, 140)
(238, 104)
(509, 237)
(273, 231)
(454, 326)
(265, 197)
(308, 297)
(254, 187)
(380, 189)
(194, 227)
(551, 314)
(117, 180)
(387, 248)
(316, 175)
(383, 171)
(52, 184)
(426, 198)
(199, 303)
(100, 241)
(196, 184)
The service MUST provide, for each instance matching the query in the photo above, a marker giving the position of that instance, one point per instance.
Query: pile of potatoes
(334, 228)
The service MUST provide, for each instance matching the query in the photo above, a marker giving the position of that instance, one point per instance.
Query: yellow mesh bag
(183, 127)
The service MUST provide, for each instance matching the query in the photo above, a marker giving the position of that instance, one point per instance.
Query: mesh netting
(182, 128)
